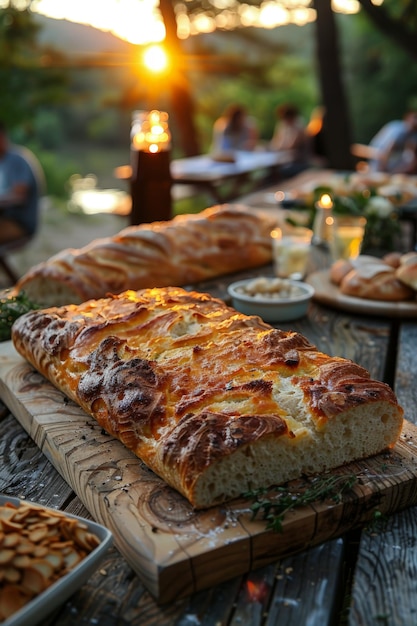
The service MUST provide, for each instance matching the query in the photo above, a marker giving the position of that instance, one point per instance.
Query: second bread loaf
(187, 249)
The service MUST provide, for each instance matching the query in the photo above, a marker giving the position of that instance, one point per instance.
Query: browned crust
(183, 380)
(384, 286)
(187, 249)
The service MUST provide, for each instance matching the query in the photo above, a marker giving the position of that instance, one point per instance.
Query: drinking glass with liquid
(291, 251)
(346, 237)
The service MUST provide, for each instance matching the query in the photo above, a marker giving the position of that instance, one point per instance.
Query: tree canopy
(29, 73)
(39, 82)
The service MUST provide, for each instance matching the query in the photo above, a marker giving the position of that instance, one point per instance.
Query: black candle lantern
(151, 176)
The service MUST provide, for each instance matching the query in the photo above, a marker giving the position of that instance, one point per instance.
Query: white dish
(329, 294)
(271, 309)
(41, 606)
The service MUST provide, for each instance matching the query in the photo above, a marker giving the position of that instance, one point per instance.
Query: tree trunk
(337, 138)
(180, 93)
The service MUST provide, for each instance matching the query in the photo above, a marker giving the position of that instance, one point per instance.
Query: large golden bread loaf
(187, 249)
(213, 401)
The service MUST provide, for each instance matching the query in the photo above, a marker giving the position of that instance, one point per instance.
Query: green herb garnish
(12, 307)
(275, 508)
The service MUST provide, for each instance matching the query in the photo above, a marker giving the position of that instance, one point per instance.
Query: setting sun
(155, 58)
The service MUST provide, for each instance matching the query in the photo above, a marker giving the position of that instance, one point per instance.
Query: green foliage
(12, 307)
(27, 84)
(282, 77)
(48, 129)
(381, 81)
(57, 169)
(196, 204)
(275, 504)
(46, 104)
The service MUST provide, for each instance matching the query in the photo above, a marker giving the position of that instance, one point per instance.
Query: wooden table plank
(308, 587)
(297, 583)
(406, 378)
(114, 594)
(385, 583)
(385, 588)
(177, 556)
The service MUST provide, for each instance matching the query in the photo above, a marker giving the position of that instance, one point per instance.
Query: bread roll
(408, 258)
(215, 402)
(187, 249)
(407, 271)
(375, 282)
(392, 258)
(341, 267)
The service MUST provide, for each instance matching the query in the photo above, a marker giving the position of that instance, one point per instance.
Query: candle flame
(154, 135)
(325, 201)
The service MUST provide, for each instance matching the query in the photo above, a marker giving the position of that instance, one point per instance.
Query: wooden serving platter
(174, 549)
(328, 293)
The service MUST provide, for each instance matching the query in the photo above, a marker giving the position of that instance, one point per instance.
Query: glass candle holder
(323, 220)
(291, 250)
(150, 131)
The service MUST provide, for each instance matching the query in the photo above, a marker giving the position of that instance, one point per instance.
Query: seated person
(392, 143)
(20, 179)
(234, 130)
(408, 164)
(290, 136)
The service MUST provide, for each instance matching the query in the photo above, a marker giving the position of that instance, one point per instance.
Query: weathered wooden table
(363, 577)
(207, 174)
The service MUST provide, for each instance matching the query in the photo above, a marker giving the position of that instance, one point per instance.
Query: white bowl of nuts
(273, 299)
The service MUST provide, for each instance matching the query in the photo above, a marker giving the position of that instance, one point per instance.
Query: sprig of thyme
(12, 307)
(274, 509)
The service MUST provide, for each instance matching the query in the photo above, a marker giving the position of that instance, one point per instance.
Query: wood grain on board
(174, 549)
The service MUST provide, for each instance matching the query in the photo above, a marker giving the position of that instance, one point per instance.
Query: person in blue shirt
(394, 142)
(20, 187)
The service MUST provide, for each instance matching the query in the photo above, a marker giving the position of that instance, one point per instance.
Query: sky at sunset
(137, 21)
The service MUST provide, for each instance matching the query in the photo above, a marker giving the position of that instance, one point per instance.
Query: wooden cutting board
(175, 550)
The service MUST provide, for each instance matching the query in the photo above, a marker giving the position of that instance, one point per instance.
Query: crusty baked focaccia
(213, 401)
(185, 250)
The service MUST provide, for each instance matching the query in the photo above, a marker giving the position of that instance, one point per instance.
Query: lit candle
(325, 202)
(323, 219)
(153, 135)
(151, 179)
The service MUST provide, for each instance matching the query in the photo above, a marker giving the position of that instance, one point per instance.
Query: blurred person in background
(395, 144)
(20, 184)
(409, 162)
(290, 136)
(21, 180)
(234, 130)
